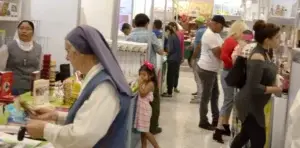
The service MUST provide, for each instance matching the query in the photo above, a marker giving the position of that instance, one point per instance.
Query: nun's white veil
(26, 46)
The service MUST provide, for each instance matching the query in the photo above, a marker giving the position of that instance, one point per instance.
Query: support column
(91, 10)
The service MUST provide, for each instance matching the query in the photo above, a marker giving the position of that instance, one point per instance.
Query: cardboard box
(6, 81)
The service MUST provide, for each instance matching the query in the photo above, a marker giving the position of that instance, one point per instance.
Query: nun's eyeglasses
(25, 29)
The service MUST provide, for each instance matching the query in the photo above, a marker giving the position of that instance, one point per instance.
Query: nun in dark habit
(99, 115)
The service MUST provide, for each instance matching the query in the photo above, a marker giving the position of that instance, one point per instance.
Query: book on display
(41, 92)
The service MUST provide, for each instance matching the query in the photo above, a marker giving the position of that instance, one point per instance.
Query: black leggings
(172, 75)
(252, 131)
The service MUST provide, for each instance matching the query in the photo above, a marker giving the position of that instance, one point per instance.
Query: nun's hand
(35, 128)
(79, 75)
(45, 114)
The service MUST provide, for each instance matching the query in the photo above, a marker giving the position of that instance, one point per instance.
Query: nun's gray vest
(116, 136)
(22, 64)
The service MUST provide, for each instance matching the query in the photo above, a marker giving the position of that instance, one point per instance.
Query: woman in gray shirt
(24, 56)
(260, 85)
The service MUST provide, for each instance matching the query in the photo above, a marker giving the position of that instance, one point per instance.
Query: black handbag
(237, 75)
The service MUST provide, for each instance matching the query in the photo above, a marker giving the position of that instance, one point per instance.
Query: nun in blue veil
(98, 117)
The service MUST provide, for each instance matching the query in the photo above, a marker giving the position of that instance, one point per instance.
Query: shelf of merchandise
(19, 9)
(11, 19)
(280, 20)
(232, 17)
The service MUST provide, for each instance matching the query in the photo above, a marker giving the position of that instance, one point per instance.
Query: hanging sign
(194, 8)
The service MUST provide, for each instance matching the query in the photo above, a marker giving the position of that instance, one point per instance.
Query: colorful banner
(195, 7)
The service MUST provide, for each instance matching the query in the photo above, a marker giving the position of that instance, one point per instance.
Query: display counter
(293, 90)
(59, 105)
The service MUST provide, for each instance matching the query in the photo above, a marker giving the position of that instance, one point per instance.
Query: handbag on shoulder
(237, 75)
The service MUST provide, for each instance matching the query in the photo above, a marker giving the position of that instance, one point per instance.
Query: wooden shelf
(12, 19)
(232, 17)
(280, 20)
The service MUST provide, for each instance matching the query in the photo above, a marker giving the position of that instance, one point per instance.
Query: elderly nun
(99, 115)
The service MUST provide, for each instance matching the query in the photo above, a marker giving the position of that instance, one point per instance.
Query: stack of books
(45, 73)
(34, 76)
(52, 77)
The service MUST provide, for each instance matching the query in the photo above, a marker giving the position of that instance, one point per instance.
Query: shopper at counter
(141, 34)
(260, 85)
(208, 66)
(245, 46)
(157, 26)
(235, 33)
(24, 57)
(173, 60)
(180, 35)
(98, 117)
(200, 21)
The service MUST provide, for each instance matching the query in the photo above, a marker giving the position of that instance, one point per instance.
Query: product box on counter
(41, 92)
(6, 80)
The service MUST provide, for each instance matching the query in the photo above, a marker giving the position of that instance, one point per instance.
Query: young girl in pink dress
(147, 81)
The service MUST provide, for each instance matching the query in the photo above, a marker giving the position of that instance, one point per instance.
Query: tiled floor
(179, 120)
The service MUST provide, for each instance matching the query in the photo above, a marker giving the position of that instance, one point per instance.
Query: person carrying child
(245, 46)
(147, 82)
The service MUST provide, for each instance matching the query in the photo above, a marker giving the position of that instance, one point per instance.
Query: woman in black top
(260, 85)
(173, 60)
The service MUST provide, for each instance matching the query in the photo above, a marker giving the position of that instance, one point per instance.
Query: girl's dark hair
(29, 22)
(168, 28)
(264, 30)
(150, 73)
(173, 24)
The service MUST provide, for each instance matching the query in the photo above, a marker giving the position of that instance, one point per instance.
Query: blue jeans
(228, 95)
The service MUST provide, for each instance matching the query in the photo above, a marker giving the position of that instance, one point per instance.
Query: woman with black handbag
(235, 34)
(259, 86)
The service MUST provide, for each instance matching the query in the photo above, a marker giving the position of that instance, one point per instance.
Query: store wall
(98, 13)
(55, 19)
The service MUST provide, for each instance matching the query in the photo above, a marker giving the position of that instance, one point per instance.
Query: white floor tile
(179, 120)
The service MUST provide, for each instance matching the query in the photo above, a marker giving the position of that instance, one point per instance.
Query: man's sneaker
(176, 90)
